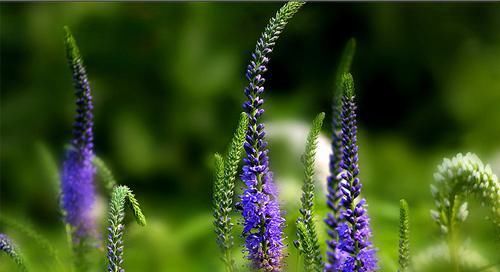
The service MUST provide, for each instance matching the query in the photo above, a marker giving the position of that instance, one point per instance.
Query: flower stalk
(404, 236)
(333, 181)
(263, 223)
(225, 176)
(121, 195)
(306, 229)
(355, 250)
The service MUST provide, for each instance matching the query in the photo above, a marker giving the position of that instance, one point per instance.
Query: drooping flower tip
(120, 196)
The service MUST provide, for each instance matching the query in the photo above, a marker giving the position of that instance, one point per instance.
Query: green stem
(228, 260)
(298, 262)
(453, 247)
(453, 237)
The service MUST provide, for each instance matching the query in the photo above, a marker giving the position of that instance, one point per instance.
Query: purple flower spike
(77, 178)
(354, 251)
(333, 181)
(263, 223)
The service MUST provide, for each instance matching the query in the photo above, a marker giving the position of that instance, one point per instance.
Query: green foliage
(120, 195)
(225, 176)
(28, 231)
(308, 244)
(466, 77)
(8, 246)
(104, 173)
(436, 258)
(49, 165)
(404, 236)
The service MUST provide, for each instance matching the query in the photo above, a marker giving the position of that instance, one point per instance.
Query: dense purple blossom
(77, 178)
(263, 223)
(354, 251)
(262, 219)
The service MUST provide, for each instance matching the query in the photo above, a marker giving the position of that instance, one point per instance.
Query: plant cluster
(349, 247)
(77, 188)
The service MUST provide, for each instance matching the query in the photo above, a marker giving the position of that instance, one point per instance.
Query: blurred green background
(168, 83)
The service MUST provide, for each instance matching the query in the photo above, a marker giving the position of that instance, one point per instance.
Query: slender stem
(453, 235)
(453, 248)
(298, 262)
(69, 240)
(228, 260)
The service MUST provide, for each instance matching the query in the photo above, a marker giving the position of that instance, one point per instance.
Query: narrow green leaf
(28, 231)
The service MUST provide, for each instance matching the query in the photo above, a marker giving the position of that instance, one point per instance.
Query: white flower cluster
(455, 181)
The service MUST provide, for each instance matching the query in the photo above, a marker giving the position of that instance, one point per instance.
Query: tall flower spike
(333, 180)
(355, 250)
(226, 170)
(77, 178)
(7, 246)
(263, 222)
(120, 195)
(404, 236)
(306, 232)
